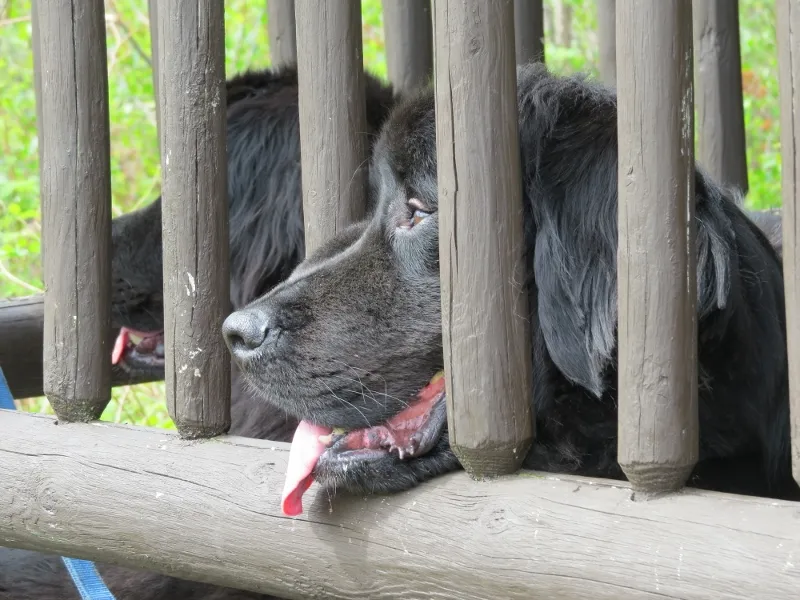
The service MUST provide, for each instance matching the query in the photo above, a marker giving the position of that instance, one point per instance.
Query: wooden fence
(210, 511)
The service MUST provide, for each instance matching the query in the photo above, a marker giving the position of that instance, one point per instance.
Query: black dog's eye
(418, 212)
(418, 216)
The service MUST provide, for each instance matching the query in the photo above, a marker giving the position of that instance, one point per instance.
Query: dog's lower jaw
(389, 474)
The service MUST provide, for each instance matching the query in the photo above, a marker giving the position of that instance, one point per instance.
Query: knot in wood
(495, 519)
(49, 499)
(475, 44)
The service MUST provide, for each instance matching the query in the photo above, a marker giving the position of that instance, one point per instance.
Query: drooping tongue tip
(292, 501)
(119, 346)
(304, 453)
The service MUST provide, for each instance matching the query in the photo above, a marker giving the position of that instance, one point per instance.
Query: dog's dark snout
(245, 332)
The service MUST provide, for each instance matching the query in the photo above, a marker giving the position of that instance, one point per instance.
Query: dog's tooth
(326, 440)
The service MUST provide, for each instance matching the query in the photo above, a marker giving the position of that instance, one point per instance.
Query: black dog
(351, 337)
(266, 245)
(267, 242)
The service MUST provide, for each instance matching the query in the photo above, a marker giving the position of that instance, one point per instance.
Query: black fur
(355, 331)
(266, 246)
(267, 242)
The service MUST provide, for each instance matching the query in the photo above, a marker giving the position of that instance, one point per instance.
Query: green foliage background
(135, 169)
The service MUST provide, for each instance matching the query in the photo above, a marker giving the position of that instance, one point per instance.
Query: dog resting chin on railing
(350, 338)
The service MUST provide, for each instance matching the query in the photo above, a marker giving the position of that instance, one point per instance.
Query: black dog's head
(265, 211)
(354, 334)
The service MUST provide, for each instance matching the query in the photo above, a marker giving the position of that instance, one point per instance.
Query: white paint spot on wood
(191, 288)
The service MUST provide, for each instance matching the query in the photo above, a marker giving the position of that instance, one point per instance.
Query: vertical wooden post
(658, 419)
(333, 120)
(194, 209)
(282, 32)
(486, 335)
(563, 23)
(718, 97)
(607, 40)
(788, 29)
(76, 204)
(152, 11)
(408, 27)
(529, 31)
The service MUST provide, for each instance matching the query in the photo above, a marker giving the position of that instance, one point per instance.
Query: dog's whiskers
(385, 393)
(366, 420)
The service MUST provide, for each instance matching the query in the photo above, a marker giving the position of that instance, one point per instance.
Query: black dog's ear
(575, 267)
(575, 273)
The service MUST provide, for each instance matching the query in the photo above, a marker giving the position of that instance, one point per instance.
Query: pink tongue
(303, 456)
(119, 345)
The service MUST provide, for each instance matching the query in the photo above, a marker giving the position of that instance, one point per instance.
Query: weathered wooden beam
(73, 131)
(333, 117)
(21, 349)
(281, 29)
(529, 30)
(210, 511)
(408, 29)
(718, 91)
(658, 417)
(486, 336)
(607, 40)
(194, 213)
(788, 30)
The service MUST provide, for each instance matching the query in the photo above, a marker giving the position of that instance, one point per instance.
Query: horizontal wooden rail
(22, 341)
(210, 511)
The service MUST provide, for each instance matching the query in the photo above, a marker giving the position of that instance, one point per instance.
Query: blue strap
(86, 579)
(83, 572)
(6, 401)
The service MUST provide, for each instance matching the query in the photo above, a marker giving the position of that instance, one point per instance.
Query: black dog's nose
(245, 332)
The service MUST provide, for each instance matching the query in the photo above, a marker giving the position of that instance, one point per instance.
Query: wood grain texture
(333, 122)
(21, 348)
(408, 29)
(281, 29)
(74, 167)
(722, 149)
(486, 334)
(658, 418)
(607, 40)
(191, 70)
(529, 30)
(788, 31)
(209, 510)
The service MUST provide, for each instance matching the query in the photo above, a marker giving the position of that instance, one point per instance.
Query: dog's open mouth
(412, 432)
(139, 349)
